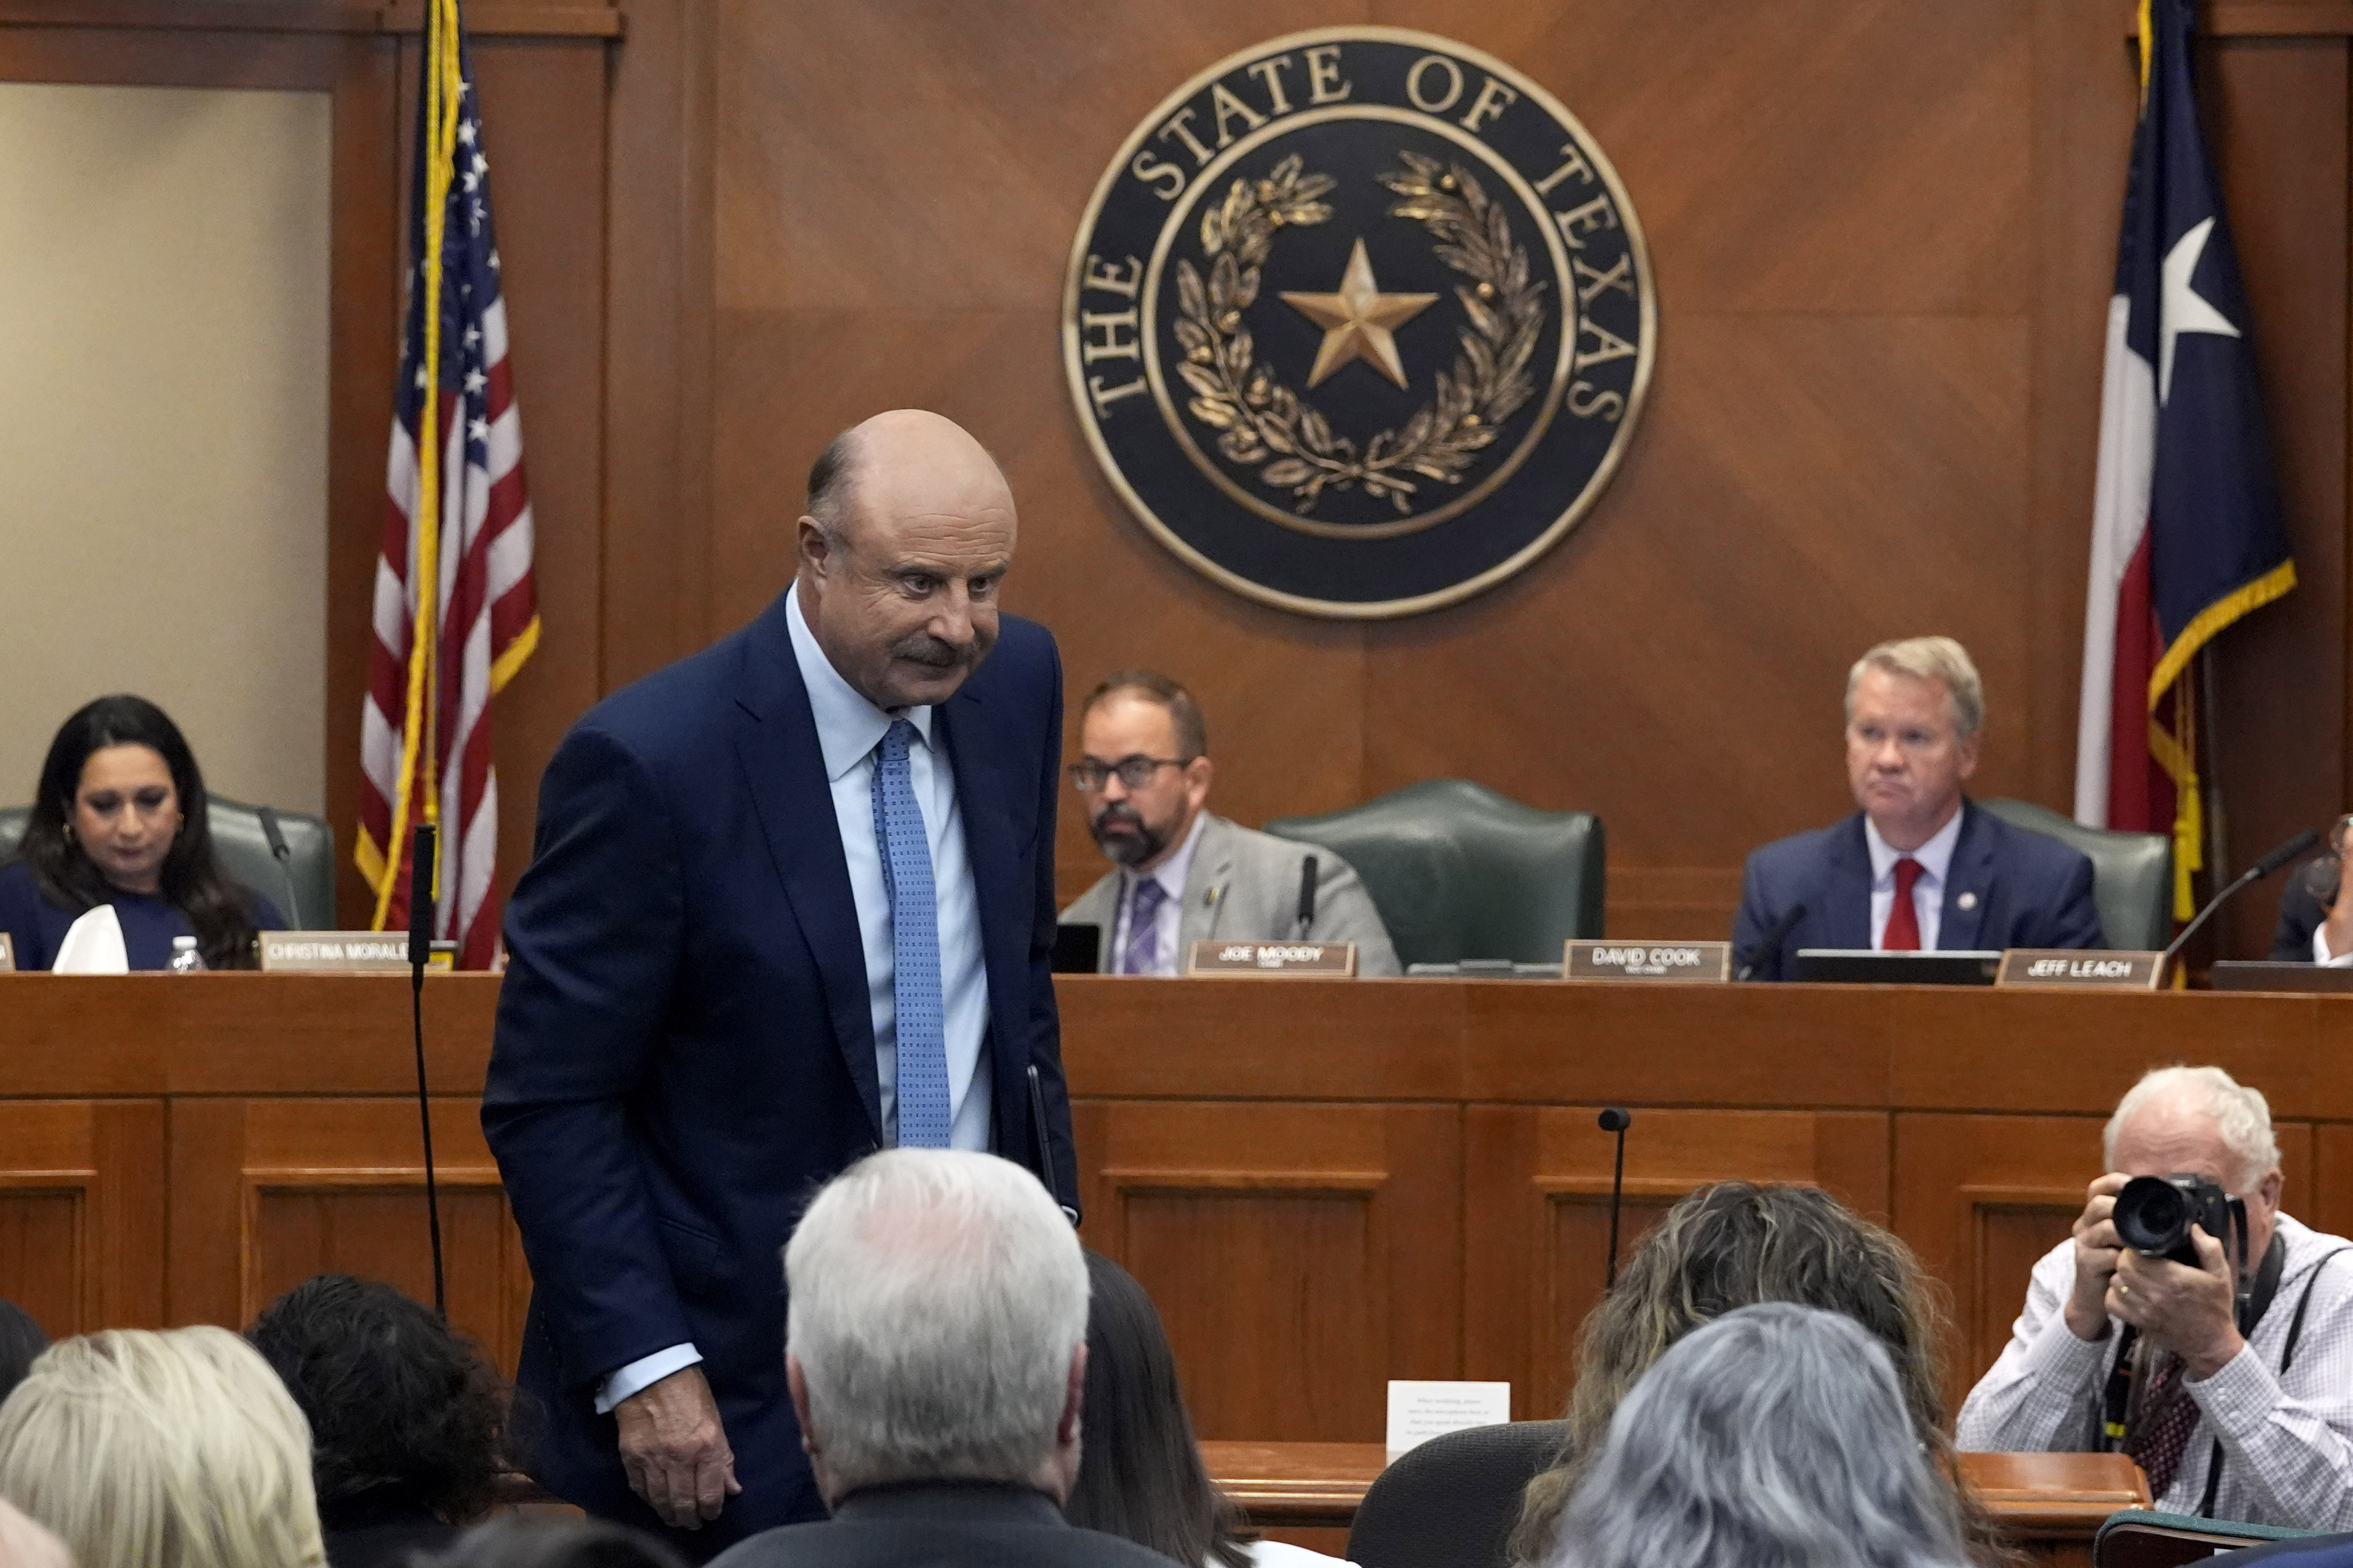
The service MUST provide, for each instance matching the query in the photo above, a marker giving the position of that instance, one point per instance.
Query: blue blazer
(2023, 889)
(684, 1049)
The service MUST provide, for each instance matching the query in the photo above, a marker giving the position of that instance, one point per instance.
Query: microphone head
(422, 867)
(1617, 1119)
(2304, 841)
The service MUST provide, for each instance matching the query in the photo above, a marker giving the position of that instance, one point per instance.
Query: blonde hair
(178, 1449)
(1928, 659)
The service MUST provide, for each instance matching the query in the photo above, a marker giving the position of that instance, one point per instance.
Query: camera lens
(2152, 1215)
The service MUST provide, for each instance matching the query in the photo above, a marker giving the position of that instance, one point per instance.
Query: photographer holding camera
(2188, 1323)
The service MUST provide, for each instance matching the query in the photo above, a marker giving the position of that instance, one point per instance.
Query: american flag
(438, 660)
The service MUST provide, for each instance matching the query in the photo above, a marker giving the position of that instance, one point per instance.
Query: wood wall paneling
(1536, 1199)
(1299, 1255)
(267, 1193)
(81, 1213)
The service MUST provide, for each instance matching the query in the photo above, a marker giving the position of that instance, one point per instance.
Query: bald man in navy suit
(1919, 868)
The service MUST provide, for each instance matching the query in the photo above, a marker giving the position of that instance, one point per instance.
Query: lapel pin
(1966, 900)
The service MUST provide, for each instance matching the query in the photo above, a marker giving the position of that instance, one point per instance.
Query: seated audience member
(1776, 1433)
(178, 1449)
(119, 818)
(1734, 1245)
(936, 1349)
(2316, 908)
(516, 1542)
(21, 1342)
(1919, 867)
(25, 1544)
(1140, 1472)
(2241, 1405)
(1186, 874)
(405, 1415)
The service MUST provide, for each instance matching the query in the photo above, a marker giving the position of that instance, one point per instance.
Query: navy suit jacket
(685, 1049)
(2006, 888)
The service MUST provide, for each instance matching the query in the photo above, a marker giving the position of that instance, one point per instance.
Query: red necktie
(1904, 919)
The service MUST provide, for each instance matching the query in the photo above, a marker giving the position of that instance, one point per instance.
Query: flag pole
(2209, 686)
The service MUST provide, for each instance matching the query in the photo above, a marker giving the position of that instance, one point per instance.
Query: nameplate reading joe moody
(2075, 969)
(1274, 959)
(1707, 962)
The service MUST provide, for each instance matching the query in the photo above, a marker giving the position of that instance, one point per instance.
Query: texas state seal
(1358, 322)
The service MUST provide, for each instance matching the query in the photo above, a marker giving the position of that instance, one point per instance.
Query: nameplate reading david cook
(1273, 958)
(1708, 962)
(338, 953)
(2076, 969)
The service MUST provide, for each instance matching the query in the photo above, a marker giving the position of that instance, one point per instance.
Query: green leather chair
(2132, 873)
(244, 852)
(1461, 872)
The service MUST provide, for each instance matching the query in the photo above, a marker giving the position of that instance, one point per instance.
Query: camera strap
(2274, 1261)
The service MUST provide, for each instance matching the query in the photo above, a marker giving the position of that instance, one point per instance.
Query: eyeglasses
(1090, 776)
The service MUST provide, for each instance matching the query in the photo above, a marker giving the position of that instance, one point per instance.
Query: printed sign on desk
(2077, 969)
(1274, 959)
(1420, 1411)
(1709, 962)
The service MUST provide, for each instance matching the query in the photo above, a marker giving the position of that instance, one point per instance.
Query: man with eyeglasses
(2229, 1381)
(1185, 874)
(1919, 867)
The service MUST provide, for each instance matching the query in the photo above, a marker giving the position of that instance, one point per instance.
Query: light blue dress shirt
(849, 728)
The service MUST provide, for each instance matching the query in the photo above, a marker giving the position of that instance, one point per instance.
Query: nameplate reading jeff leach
(2079, 969)
(1273, 959)
(1358, 322)
(1709, 962)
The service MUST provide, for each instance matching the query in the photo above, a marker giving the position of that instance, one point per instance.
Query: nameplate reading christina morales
(346, 953)
(1273, 959)
(1358, 322)
(2081, 969)
(1707, 962)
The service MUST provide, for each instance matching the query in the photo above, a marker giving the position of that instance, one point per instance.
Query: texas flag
(2186, 532)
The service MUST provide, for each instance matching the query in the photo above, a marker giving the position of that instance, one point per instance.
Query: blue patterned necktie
(1144, 927)
(915, 946)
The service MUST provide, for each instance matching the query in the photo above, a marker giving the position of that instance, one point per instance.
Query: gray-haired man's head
(937, 1325)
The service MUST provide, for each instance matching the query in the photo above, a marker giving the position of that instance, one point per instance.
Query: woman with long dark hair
(119, 818)
(1140, 1472)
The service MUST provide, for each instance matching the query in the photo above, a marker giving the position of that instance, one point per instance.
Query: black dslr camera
(2154, 1214)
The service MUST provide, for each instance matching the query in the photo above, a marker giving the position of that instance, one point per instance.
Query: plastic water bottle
(186, 959)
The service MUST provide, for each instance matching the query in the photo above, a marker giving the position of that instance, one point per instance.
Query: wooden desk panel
(1326, 1184)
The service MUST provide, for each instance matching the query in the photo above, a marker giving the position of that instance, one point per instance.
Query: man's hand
(675, 1449)
(2097, 1247)
(2194, 1312)
(2339, 924)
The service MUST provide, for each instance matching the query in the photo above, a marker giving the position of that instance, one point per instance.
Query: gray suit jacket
(1243, 885)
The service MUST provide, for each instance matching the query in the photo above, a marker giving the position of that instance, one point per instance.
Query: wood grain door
(1300, 1255)
(1536, 1200)
(267, 1193)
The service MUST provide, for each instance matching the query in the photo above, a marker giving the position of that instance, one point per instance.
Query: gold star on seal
(1357, 320)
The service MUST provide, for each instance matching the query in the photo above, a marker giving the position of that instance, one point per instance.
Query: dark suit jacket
(2022, 890)
(948, 1524)
(684, 1049)
(2301, 914)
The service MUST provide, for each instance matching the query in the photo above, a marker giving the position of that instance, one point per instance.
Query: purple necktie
(1144, 927)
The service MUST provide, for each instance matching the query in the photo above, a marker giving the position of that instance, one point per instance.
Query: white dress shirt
(848, 729)
(1170, 874)
(2287, 1438)
(1935, 858)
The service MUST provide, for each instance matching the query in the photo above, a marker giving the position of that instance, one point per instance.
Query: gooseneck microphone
(1306, 896)
(424, 871)
(1616, 1119)
(2306, 840)
(1775, 935)
(285, 859)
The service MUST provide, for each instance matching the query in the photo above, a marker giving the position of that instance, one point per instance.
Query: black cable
(424, 865)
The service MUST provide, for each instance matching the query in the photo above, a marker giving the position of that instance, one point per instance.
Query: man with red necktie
(1919, 867)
